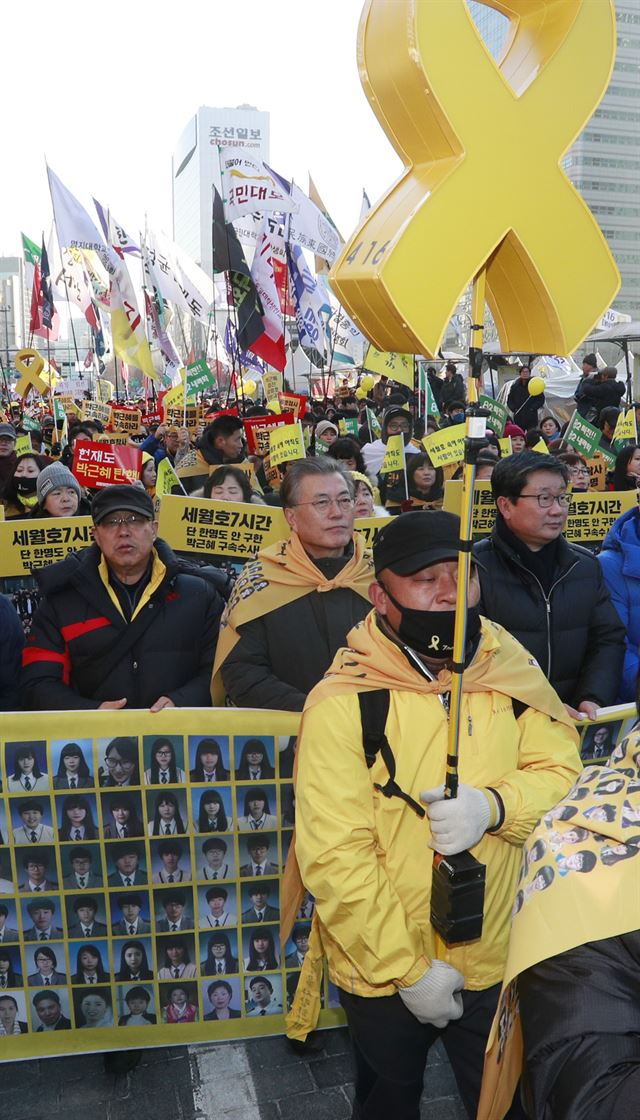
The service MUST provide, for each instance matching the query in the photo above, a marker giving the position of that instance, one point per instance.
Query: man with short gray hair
(292, 607)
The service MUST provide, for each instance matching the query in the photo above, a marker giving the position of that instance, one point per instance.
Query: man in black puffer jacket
(123, 623)
(548, 593)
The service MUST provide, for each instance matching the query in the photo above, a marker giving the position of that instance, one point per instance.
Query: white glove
(435, 998)
(458, 823)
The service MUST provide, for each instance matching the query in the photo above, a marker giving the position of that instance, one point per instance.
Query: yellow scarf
(281, 574)
(558, 907)
(372, 661)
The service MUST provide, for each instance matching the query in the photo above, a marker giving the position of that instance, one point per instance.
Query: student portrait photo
(86, 915)
(13, 1014)
(263, 996)
(31, 817)
(10, 974)
(121, 814)
(254, 759)
(77, 817)
(93, 1007)
(170, 860)
(175, 955)
(90, 962)
(167, 812)
(297, 946)
(220, 996)
(209, 759)
(136, 960)
(45, 966)
(256, 808)
(599, 740)
(50, 1011)
(126, 859)
(179, 1003)
(212, 810)
(119, 761)
(72, 764)
(216, 859)
(259, 854)
(217, 906)
(6, 881)
(26, 767)
(221, 953)
(8, 922)
(37, 869)
(136, 1007)
(130, 913)
(260, 948)
(41, 918)
(260, 901)
(174, 909)
(81, 867)
(163, 760)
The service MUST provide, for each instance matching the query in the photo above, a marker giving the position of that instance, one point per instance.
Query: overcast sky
(104, 91)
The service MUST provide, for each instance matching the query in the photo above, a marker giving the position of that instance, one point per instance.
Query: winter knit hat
(325, 426)
(54, 476)
(513, 430)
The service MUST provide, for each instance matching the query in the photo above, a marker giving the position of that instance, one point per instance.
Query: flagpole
(234, 352)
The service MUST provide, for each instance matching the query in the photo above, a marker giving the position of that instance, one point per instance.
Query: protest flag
(228, 257)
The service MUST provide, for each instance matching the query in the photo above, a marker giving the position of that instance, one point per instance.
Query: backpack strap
(374, 709)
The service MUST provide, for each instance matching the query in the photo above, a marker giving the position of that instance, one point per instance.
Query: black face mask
(26, 485)
(431, 632)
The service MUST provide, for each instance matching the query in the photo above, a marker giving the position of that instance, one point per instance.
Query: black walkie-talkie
(458, 881)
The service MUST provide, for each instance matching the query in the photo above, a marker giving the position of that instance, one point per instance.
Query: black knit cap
(131, 498)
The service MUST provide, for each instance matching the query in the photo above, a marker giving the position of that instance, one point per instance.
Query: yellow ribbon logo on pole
(30, 364)
(482, 186)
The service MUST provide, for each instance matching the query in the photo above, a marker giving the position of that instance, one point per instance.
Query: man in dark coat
(599, 390)
(123, 622)
(548, 593)
(11, 643)
(524, 408)
(292, 608)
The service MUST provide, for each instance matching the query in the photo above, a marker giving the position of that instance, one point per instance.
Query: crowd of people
(361, 642)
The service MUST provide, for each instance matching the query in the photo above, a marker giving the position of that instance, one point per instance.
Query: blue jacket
(620, 560)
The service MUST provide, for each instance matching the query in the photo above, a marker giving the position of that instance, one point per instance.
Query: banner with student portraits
(140, 879)
(591, 514)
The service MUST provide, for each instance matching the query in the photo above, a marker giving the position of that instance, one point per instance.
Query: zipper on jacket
(547, 602)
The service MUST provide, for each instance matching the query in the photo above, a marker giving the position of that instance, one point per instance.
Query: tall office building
(14, 308)
(604, 162)
(196, 167)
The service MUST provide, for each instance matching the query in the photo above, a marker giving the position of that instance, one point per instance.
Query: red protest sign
(257, 428)
(96, 465)
(293, 402)
(152, 418)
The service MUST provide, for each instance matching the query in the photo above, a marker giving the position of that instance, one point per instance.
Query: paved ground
(257, 1080)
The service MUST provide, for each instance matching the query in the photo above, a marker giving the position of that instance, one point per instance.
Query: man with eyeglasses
(396, 421)
(292, 608)
(548, 593)
(123, 623)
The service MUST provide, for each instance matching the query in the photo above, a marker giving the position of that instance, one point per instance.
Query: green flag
(582, 436)
(499, 413)
(30, 250)
(199, 377)
(373, 424)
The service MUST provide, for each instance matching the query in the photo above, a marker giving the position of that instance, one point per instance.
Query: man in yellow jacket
(365, 841)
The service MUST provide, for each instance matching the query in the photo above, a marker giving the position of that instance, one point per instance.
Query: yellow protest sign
(188, 417)
(591, 514)
(232, 529)
(69, 405)
(626, 427)
(286, 444)
(174, 398)
(369, 527)
(126, 420)
(597, 472)
(540, 447)
(505, 446)
(272, 382)
(23, 445)
(394, 455)
(274, 406)
(166, 478)
(399, 367)
(97, 410)
(532, 103)
(33, 543)
(445, 446)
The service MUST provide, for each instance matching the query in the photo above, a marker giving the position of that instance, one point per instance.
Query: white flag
(248, 187)
(264, 280)
(178, 278)
(308, 225)
(76, 229)
(118, 237)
